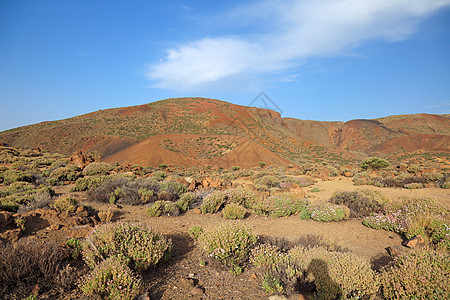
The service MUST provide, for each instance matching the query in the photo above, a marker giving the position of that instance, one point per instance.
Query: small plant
(233, 211)
(159, 175)
(195, 232)
(20, 222)
(88, 182)
(361, 204)
(240, 196)
(229, 243)
(262, 164)
(327, 212)
(213, 202)
(266, 182)
(139, 246)
(162, 166)
(235, 168)
(163, 208)
(146, 195)
(67, 204)
(112, 279)
(105, 216)
(315, 190)
(75, 245)
(187, 201)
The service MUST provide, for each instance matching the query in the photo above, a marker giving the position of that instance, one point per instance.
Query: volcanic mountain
(202, 132)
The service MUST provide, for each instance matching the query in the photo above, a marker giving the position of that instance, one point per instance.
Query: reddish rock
(78, 159)
(82, 211)
(414, 242)
(197, 210)
(348, 174)
(396, 250)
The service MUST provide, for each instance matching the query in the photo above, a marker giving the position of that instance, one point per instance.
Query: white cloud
(299, 29)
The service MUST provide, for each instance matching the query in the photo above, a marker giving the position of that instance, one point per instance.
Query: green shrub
(235, 168)
(433, 229)
(163, 208)
(413, 186)
(213, 202)
(112, 279)
(162, 166)
(65, 173)
(187, 201)
(75, 245)
(315, 190)
(140, 247)
(240, 196)
(266, 182)
(146, 195)
(173, 187)
(374, 163)
(361, 204)
(422, 274)
(11, 176)
(67, 204)
(97, 168)
(88, 183)
(336, 274)
(159, 175)
(362, 178)
(229, 243)
(280, 205)
(195, 232)
(434, 176)
(233, 211)
(327, 212)
(266, 255)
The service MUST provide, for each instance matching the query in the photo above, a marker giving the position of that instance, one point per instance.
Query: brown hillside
(424, 142)
(168, 149)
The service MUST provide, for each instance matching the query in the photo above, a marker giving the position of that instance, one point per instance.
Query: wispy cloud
(295, 30)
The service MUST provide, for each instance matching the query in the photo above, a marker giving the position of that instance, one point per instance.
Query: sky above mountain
(315, 59)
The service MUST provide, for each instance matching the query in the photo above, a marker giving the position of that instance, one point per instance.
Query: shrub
(235, 168)
(75, 245)
(31, 262)
(315, 190)
(67, 204)
(173, 187)
(145, 195)
(65, 173)
(105, 216)
(280, 205)
(195, 232)
(88, 183)
(112, 279)
(163, 208)
(159, 175)
(335, 274)
(233, 211)
(139, 246)
(266, 255)
(162, 166)
(362, 179)
(213, 202)
(422, 274)
(434, 176)
(432, 228)
(360, 204)
(374, 163)
(240, 196)
(187, 200)
(97, 168)
(327, 212)
(229, 243)
(413, 186)
(262, 164)
(10, 176)
(267, 181)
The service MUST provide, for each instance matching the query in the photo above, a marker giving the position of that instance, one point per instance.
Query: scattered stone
(55, 226)
(396, 250)
(191, 275)
(82, 211)
(144, 296)
(186, 283)
(79, 159)
(414, 242)
(197, 210)
(348, 174)
(277, 297)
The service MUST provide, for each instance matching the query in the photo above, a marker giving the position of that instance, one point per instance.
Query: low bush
(233, 211)
(159, 175)
(213, 202)
(374, 163)
(163, 208)
(105, 216)
(413, 186)
(240, 196)
(29, 263)
(97, 168)
(67, 204)
(328, 212)
(195, 232)
(187, 201)
(267, 182)
(422, 274)
(280, 205)
(65, 173)
(88, 183)
(112, 279)
(229, 243)
(140, 247)
(11, 176)
(360, 204)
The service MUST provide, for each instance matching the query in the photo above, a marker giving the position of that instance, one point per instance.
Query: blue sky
(316, 59)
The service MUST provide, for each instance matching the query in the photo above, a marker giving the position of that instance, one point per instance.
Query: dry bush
(233, 211)
(28, 263)
(105, 216)
(360, 204)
